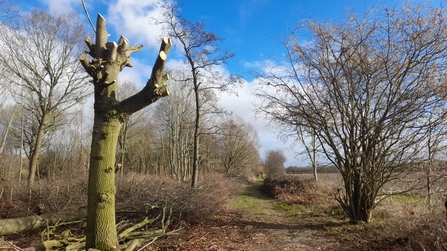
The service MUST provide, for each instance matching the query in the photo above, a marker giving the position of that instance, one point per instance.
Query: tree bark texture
(108, 59)
(34, 158)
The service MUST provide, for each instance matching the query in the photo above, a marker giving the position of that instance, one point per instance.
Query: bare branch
(86, 64)
(88, 16)
(155, 87)
(90, 46)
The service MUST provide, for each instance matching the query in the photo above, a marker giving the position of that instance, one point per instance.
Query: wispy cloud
(244, 105)
(247, 8)
(60, 6)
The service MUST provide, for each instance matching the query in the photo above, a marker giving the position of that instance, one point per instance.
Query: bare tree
(366, 88)
(107, 61)
(125, 90)
(274, 163)
(38, 58)
(143, 151)
(11, 113)
(303, 136)
(177, 125)
(237, 143)
(202, 55)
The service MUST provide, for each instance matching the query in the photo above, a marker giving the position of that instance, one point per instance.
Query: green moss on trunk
(108, 60)
(101, 225)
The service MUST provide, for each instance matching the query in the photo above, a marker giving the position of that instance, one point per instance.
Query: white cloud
(138, 74)
(133, 19)
(244, 105)
(61, 6)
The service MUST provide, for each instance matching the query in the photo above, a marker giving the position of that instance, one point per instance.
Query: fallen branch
(19, 225)
(146, 221)
(129, 236)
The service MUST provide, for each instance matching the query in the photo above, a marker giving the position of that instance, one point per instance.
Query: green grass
(251, 200)
(293, 210)
(409, 198)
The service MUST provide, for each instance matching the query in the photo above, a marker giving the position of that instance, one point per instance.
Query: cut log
(18, 225)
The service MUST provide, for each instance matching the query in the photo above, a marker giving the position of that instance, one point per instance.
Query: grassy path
(253, 203)
(251, 221)
(275, 226)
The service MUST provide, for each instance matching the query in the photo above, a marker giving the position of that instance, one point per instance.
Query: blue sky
(250, 28)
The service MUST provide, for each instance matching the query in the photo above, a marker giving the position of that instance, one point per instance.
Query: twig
(88, 16)
(147, 244)
(11, 246)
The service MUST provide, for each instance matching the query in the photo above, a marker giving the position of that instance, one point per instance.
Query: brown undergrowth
(146, 195)
(298, 208)
(401, 222)
(138, 196)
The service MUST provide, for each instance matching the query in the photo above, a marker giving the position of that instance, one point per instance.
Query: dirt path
(254, 222)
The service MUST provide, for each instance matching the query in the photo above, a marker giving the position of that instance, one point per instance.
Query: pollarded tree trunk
(108, 60)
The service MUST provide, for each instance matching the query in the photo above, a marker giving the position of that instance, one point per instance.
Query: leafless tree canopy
(366, 87)
(202, 55)
(38, 60)
(274, 163)
(8, 10)
(237, 144)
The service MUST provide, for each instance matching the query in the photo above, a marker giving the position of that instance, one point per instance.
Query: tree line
(49, 73)
(46, 111)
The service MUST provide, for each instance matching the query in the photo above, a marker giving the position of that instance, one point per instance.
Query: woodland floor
(252, 221)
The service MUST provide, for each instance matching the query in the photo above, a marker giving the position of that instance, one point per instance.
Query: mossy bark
(108, 59)
(101, 227)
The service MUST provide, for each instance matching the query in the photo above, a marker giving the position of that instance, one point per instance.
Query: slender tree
(177, 124)
(303, 136)
(125, 90)
(107, 61)
(38, 57)
(202, 54)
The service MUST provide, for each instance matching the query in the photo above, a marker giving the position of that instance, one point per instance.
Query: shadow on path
(262, 214)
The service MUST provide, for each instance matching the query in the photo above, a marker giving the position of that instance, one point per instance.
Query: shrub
(299, 189)
(145, 195)
(287, 184)
(63, 197)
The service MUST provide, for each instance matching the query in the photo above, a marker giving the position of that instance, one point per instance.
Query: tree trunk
(101, 228)
(314, 156)
(108, 60)
(34, 158)
(195, 164)
(429, 182)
